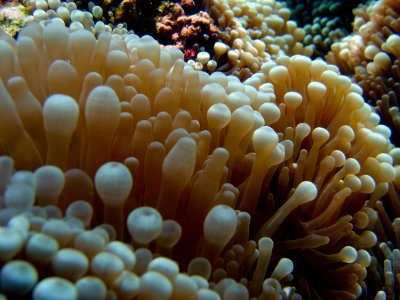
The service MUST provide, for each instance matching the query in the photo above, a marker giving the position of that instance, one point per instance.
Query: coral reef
(181, 25)
(214, 159)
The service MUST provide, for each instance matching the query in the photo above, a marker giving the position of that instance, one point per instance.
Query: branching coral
(254, 189)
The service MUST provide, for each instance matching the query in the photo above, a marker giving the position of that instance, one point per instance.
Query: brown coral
(186, 32)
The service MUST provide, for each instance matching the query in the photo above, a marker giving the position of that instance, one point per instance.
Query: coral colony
(199, 150)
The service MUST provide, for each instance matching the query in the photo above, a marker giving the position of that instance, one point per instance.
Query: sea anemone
(253, 32)
(370, 55)
(127, 173)
(324, 21)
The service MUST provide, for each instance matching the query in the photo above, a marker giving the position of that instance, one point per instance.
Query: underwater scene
(199, 149)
